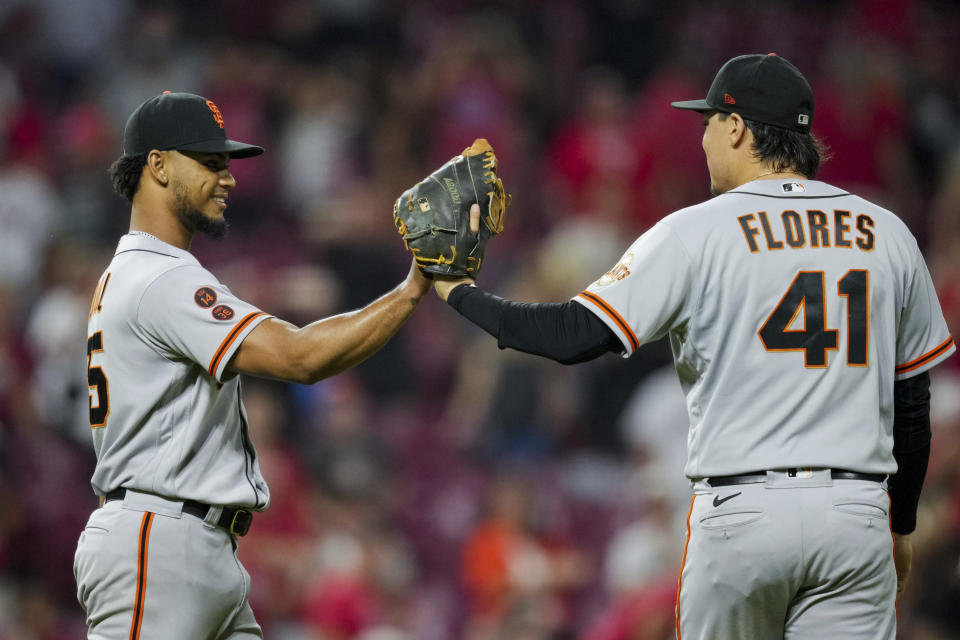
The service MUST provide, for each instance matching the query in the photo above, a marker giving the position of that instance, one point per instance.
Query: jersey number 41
(807, 295)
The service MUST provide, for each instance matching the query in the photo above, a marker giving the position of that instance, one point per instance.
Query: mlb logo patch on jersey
(791, 187)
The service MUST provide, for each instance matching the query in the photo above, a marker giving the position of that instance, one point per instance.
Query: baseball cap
(764, 88)
(181, 121)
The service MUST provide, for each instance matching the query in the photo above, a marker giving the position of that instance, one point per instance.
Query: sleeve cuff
(925, 362)
(612, 318)
(232, 342)
(456, 296)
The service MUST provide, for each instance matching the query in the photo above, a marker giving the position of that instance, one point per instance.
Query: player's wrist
(417, 283)
(444, 287)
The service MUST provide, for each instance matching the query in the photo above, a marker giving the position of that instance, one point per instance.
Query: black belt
(235, 520)
(761, 476)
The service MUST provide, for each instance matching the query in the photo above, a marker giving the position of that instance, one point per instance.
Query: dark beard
(195, 220)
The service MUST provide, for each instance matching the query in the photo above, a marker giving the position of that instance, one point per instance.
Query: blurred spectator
(644, 614)
(36, 616)
(515, 574)
(275, 549)
(592, 157)
(512, 406)
(927, 610)
(82, 31)
(646, 550)
(655, 425)
(319, 138)
(154, 54)
(861, 111)
(670, 172)
(55, 334)
(30, 208)
(85, 143)
(944, 247)
(473, 82)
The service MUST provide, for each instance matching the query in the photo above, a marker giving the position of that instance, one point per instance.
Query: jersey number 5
(97, 379)
(807, 294)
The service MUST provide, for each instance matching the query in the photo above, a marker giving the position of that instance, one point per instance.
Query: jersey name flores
(792, 306)
(165, 414)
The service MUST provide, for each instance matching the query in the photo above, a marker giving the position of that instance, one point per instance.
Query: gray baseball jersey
(165, 415)
(792, 306)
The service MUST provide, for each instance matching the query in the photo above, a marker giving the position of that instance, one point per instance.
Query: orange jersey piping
(225, 345)
(925, 358)
(613, 315)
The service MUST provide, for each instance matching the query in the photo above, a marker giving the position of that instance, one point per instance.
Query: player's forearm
(902, 559)
(911, 449)
(564, 332)
(280, 350)
(332, 345)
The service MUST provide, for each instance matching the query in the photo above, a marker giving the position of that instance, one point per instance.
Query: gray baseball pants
(146, 571)
(789, 558)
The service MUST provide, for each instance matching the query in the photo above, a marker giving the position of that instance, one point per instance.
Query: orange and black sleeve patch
(205, 297)
(613, 315)
(933, 354)
(222, 312)
(229, 340)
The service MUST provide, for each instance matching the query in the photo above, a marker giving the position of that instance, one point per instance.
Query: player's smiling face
(201, 185)
(208, 178)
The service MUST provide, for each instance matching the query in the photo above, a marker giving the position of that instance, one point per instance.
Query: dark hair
(125, 174)
(787, 150)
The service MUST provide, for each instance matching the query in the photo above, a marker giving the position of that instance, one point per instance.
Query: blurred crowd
(443, 489)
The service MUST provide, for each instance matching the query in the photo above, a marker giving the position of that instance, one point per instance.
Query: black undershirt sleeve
(911, 449)
(566, 332)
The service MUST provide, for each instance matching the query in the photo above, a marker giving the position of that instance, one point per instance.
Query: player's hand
(902, 559)
(475, 218)
(443, 286)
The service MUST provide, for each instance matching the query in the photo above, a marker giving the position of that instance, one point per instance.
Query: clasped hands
(443, 286)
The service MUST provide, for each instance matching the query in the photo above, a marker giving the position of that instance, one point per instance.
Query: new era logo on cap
(728, 99)
(803, 119)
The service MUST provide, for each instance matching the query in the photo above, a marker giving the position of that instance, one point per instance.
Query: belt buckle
(805, 472)
(240, 524)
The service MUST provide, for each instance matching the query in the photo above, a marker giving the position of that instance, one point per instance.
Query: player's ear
(156, 166)
(736, 130)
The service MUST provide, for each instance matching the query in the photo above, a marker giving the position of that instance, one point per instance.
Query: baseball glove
(433, 217)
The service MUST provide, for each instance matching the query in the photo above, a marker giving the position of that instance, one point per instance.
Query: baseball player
(176, 472)
(803, 324)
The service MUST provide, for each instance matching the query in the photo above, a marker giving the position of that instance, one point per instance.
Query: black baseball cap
(764, 88)
(181, 121)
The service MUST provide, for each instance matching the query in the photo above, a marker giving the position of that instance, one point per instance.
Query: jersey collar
(789, 188)
(146, 242)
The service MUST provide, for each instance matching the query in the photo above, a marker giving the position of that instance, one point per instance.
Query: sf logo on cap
(216, 113)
